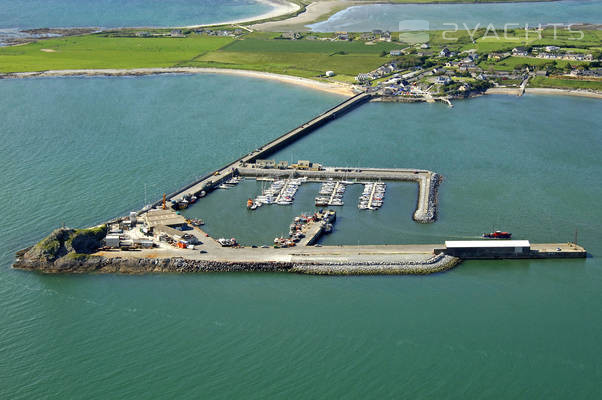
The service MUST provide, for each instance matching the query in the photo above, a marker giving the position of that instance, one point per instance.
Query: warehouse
(467, 249)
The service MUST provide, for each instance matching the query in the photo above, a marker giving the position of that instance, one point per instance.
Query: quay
(208, 182)
(428, 181)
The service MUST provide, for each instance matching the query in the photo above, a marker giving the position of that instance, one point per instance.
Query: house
(364, 78)
(367, 37)
(497, 56)
(551, 48)
(176, 33)
(291, 35)
(342, 36)
(520, 52)
(542, 72)
(329, 74)
(424, 46)
(464, 88)
(445, 52)
(443, 80)
(396, 52)
(143, 34)
(265, 163)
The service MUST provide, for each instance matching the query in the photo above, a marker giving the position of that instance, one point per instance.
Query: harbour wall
(130, 265)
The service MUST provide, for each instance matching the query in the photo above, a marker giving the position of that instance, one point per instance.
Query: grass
(100, 51)
(261, 52)
(305, 58)
(510, 63)
(561, 83)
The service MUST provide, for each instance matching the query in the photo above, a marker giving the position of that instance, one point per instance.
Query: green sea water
(80, 150)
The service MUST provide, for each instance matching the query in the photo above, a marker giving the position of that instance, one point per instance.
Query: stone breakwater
(438, 263)
(430, 214)
(93, 264)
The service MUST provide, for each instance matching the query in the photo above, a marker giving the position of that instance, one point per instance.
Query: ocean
(396, 17)
(81, 150)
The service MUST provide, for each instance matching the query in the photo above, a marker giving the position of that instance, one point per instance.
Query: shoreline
(330, 87)
(546, 91)
(279, 9)
(338, 88)
(318, 11)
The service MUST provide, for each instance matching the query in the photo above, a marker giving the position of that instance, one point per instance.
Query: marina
(331, 193)
(373, 195)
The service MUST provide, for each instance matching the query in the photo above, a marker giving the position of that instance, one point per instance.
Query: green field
(306, 58)
(544, 82)
(510, 63)
(100, 51)
(262, 52)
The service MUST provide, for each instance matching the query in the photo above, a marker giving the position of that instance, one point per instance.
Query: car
(265, 247)
(203, 251)
(253, 247)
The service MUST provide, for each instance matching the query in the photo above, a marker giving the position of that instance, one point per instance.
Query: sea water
(26, 14)
(80, 151)
(395, 17)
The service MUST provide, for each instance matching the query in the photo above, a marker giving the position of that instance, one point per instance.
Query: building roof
(163, 217)
(452, 244)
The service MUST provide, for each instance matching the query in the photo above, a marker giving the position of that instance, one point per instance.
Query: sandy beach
(279, 7)
(564, 92)
(314, 12)
(546, 91)
(330, 87)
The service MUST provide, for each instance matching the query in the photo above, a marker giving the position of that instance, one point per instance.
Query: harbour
(525, 309)
(286, 180)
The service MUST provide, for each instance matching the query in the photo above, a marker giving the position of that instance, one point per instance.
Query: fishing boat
(497, 235)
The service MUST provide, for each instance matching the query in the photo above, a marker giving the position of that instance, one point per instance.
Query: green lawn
(559, 83)
(99, 51)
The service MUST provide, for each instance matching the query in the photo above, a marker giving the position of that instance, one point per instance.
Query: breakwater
(132, 265)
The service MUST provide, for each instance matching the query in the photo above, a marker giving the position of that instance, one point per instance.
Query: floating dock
(428, 181)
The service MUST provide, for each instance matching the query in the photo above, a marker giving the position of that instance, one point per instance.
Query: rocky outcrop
(62, 244)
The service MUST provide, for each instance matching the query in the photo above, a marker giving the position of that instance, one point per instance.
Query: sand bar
(279, 8)
(331, 87)
(314, 12)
